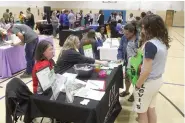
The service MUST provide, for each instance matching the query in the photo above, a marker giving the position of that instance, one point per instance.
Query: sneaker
(124, 93)
(131, 98)
(25, 75)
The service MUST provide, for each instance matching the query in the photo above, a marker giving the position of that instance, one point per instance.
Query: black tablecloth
(63, 34)
(103, 111)
(44, 28)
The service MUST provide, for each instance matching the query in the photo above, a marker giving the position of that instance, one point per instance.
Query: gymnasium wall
(135, 7)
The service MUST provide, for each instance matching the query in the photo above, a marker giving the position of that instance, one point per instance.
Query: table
(44, 28)
(110, 46)
(63, 34)
(13, 58)
(104, 111)
(95, 27)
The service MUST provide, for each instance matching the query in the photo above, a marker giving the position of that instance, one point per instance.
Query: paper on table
(90, 94)
(43, 77)
(95, 84)
(70, 76)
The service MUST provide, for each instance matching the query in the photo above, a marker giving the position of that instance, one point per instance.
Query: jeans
(55, 30)
(30, 52)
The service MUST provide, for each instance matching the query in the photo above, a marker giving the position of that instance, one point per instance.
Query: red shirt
(38, 66)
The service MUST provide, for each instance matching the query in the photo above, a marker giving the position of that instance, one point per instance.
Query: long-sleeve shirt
(69, 58)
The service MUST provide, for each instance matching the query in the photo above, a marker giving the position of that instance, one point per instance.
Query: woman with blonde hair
(69, 56)
(54, 22)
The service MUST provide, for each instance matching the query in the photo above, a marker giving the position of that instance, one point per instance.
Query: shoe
(124, 93)
(25, 75)
(131, 98)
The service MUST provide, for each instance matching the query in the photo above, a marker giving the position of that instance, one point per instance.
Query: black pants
(65, 27)
(91, 21)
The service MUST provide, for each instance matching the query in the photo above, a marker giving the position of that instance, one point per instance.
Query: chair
(17, 99)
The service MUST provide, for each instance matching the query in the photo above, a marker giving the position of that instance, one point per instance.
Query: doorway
(169, 18)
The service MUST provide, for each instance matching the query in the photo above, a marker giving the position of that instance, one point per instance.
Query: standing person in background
(111, 18)
(30, 21)
(101, 18)
(54, 22)
(87, 19)
(81, 19)
(30, 38)
(61, 19)
(72, 19)
(78, 19)
(2, 23)
(21, 17)
(65, 19)
(119, 17)
(143, 14)
(91, 17)
(131, 18)
(11, 18)
(6, 16)
(58, 14)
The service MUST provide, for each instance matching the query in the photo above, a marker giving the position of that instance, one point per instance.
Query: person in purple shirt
(119, 27)
(61, 19)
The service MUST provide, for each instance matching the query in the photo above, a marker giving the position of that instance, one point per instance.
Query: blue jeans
(30, 52)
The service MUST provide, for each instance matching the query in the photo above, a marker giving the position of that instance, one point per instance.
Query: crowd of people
(27, 19)
(147, 33)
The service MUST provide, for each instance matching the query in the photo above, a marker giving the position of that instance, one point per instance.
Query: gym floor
(170, 100)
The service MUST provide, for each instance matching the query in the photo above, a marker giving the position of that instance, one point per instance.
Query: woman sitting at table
(43, 57)
(69, 56)
(101, 33)
(91, 38)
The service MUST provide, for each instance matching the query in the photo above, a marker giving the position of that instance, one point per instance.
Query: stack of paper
(90, 94)
(95, 84)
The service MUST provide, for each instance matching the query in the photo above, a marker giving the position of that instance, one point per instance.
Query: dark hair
(91, 33)
(100, 12)
(41, 48)
(29, 9)
(7, 10)
(154, 27)
(119, 21)
(143, 14)
(10, 13)
(131, 27)
(21, 12)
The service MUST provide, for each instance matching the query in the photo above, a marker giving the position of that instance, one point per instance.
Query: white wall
(123, 5)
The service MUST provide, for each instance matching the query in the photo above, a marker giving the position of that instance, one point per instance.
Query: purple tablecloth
(12, 59)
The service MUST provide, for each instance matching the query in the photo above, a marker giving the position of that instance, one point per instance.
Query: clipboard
(43, 78)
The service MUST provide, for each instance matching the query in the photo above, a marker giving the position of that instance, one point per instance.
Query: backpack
(135, 69)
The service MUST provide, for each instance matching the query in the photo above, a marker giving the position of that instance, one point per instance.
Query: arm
(120, 49)
(35, 80)
(21, 37)
(144, 75)
(150, 52)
